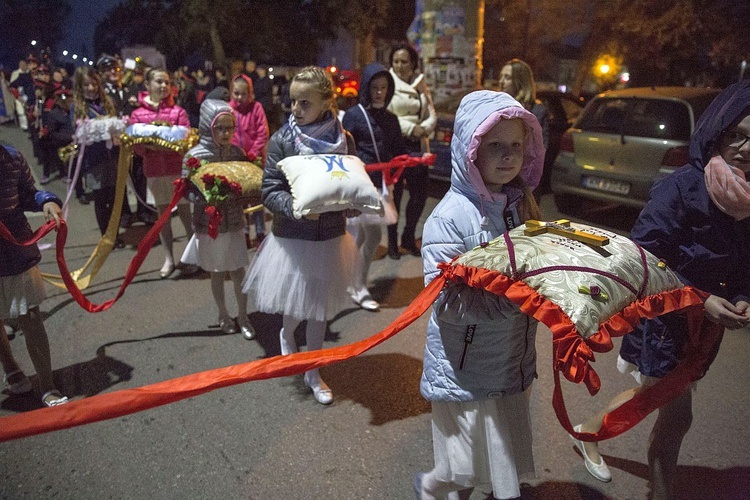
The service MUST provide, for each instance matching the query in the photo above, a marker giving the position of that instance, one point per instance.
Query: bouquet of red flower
(217, 189)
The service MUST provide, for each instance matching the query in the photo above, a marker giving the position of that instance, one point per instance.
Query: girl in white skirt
(479, 359)
(227, 252)
(21, 285)
(302, 270)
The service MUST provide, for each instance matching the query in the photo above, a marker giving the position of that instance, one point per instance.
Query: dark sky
(82, 22)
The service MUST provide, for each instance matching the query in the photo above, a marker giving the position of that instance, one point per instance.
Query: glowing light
(33, 42)
(85, 59)
(625, 77)
(65, 52)
(91, 63)
(604, 69)
(75, 56)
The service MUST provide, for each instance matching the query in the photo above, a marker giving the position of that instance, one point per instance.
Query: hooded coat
(252, 132)
(680, 224)
(159, 163)
(412, 103)
(385, 127)
(208, 150)
(478, 345)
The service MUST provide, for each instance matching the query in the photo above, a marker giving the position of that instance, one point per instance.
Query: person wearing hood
(698, 221)
(226, 253)
(160, 166)
(251, 133)
(412, 104)
(378, 137)
(479, 358)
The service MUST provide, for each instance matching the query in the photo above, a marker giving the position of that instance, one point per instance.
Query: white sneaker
(599, 470)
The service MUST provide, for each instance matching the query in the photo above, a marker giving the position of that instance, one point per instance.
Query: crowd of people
(308, 268)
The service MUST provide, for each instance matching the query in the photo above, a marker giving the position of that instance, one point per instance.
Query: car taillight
(676, 157)
(566, 142)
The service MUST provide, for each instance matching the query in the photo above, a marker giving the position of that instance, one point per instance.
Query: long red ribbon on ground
(127, 401)
(135, 264)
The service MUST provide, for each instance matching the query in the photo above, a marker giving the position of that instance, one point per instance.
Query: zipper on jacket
(525, 351)
(468, 339)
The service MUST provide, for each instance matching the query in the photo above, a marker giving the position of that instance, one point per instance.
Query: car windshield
(657, 118)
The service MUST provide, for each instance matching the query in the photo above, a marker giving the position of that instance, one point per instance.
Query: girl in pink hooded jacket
(251, 133)
(161, 166)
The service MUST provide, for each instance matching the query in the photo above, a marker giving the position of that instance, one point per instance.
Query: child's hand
(727, 314)
(52, 210)
(351, 212)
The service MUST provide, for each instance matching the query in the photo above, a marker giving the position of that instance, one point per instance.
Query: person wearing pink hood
(161, 166)
(251, 133)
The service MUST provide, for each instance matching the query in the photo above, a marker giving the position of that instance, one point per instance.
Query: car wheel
(566, 203)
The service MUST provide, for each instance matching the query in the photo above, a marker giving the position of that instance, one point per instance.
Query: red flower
(208, 179)
(251, 157)
(235, 188)
(193, 163)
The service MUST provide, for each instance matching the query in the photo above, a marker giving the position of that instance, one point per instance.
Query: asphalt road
(270, 439)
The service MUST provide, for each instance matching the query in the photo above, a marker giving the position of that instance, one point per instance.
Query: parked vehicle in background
(563, 109)
(623, 142)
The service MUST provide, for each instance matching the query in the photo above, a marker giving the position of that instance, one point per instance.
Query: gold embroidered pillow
(329, 183)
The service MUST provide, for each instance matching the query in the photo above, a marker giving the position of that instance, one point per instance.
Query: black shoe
(119, 244)
(126, 220)
(147, 218)
(394, 254)
(84, 199)
(411, 247)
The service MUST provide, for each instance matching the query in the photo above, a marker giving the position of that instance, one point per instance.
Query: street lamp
(604, 69)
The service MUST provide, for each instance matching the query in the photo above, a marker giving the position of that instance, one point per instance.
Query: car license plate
(606, 185)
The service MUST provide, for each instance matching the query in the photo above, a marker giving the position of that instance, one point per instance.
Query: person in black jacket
(377, 133)
(56, 133)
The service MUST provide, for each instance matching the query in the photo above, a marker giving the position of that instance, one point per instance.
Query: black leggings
(416, 179)
(104, 199)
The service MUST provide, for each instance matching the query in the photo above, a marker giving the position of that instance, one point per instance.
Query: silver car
(623, 142)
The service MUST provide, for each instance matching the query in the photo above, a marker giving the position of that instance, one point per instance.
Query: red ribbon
(393, 169)
(214, 220)
(62, 235)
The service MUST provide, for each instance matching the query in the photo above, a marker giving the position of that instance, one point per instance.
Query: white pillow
(329, 183)
(169, 133)
(100, 129)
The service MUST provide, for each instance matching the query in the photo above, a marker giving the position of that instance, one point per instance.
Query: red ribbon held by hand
(393, 169)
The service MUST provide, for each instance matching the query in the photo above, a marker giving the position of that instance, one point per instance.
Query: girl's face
(403, 66)
(378, 91)
(506, 81)
(241, 92)
(735, 146)
(90, 88)
(500, 153)
(223, 129)
(158, 87)
(308, 106)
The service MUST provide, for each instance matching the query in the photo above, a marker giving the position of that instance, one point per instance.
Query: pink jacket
(158, 163)
(252, 132)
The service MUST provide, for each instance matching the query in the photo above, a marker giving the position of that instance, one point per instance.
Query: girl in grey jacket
(480, 359)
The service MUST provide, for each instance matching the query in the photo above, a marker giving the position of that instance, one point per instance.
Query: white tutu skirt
(300, 278)
(225, 253)
(484, 442)
(21, 292)
(159, 190)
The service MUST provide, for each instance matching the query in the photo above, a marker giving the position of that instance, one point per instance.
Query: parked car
(623, 142)
(563, 108)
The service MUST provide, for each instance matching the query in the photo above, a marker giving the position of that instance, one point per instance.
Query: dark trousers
(104, 200)
(416, 179)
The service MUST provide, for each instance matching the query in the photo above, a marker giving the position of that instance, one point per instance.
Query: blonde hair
(318, 77)
(523, 80)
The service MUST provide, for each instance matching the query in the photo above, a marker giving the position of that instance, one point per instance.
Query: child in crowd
(304, 266)
(226, 253)
(251, 133)
(377, 134)
(21, 285)
(161, 166)
(479, 359)
(698, 221)
(99, 166)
